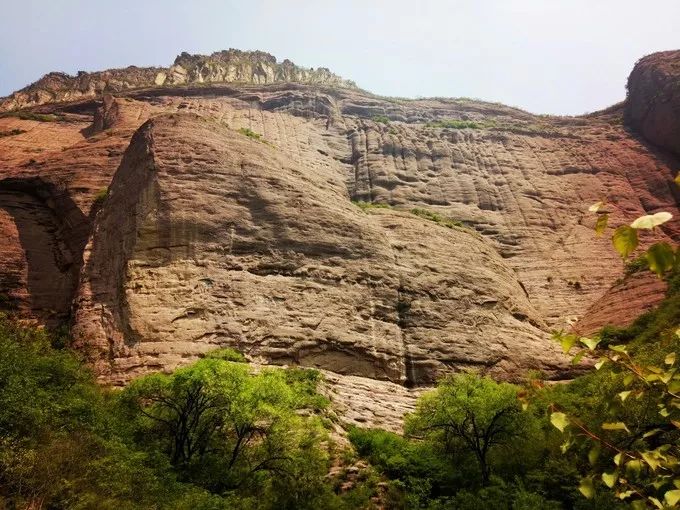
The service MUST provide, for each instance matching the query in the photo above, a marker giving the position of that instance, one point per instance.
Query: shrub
(437, 218)
(458, 124)
(39, 117)
(364, 206)
(250, 133)
(382, 119)
(100, 197)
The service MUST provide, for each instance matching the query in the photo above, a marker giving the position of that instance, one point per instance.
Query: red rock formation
(653, 104)
(229, 221)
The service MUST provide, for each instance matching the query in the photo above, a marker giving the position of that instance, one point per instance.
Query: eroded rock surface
(653, 105)
(225, 241)
(177, 218)
(221, 67)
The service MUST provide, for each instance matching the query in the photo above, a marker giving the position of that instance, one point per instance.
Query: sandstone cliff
(169, 220)
(653, 105)
(221, 67)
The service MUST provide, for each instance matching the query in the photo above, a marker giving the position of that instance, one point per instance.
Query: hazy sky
(547, 56)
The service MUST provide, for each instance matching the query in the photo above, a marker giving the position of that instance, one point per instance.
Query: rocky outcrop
(281, 266)
(231, 66)
(211, 214)
(653, 104)
(630, 296)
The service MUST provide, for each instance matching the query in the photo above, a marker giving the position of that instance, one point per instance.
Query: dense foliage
(212, 435)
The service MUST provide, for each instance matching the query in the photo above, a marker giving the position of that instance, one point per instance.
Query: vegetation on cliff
(211, 435)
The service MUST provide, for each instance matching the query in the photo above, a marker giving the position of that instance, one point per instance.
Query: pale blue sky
(547, 56)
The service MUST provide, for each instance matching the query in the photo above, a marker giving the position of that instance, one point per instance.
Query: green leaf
(677, 180)
(638, 504)
(672, 497)
(634, 467)
(610, 479)
(598, 205)
(624, 395)
(615, 426)
(625, 494)
(576, 359)
(660, 257)
(651, 220)
(564, 447)
(651, 460)
(559, 421)
(625, 240)
(617, 458)
(591, 343)
(601, 224)
(670, 359)
(567, 341)
(594, 454)
(651, 433)
(600, 363)
(656, 502)
(586, 487)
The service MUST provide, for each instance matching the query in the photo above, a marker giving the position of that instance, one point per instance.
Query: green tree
(472, 412)
(221, 426)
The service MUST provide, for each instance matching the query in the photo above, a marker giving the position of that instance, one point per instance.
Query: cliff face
(653, 105)
(229, 221)
(243, 67)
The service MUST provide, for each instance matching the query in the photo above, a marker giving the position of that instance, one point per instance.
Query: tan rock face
(653, 105)
(221, 67)
(225, 242)
(209, 237)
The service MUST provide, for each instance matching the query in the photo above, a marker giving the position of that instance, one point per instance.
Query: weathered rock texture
(213, 235)
(220, 67)
(653, 105)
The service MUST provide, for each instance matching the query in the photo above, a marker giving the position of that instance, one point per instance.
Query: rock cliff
(229, 66)
(653, 104)
(214, 207)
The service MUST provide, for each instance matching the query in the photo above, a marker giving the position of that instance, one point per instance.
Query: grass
(458, 124)
(101, 196)
(12, 132)
(382, 119)
(364, 206)
(636, 265)
(250, 133)
(40, 117)
(437, 218)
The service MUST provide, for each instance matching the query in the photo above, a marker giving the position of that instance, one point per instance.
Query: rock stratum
(161, 214)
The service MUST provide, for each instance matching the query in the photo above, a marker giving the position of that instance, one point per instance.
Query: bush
(364, 206)
(437, 218)
(382, 119)
(250, 133)
(209, 436)
(39, 117)
(457, 124)
(100, 197)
